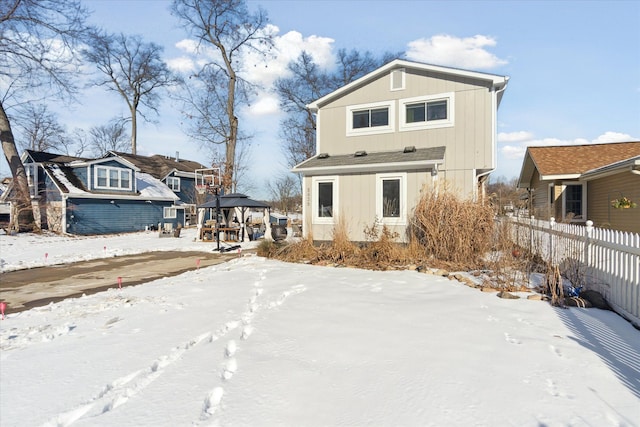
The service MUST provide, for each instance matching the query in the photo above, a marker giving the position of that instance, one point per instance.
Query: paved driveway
(24, 289)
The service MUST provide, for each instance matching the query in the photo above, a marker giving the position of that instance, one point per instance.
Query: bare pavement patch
(36, 287)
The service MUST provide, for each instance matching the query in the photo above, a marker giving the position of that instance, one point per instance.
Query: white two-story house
(383, 137)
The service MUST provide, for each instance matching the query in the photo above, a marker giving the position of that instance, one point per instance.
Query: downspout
(494, 128)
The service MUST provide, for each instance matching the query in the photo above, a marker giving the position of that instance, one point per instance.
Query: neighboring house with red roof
(585, 182)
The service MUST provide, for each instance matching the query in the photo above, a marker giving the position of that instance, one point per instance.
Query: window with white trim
(370, 118)
(574, 201)
(110, 178)
(325, 199)
(169, 212)
(173, 182)
(427, 112)
(391, 195)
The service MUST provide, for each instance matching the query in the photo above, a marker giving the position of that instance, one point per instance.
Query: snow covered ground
(256, 342)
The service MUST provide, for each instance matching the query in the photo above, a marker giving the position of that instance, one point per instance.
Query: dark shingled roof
(428, 155)
(159, 166)
(49, 159)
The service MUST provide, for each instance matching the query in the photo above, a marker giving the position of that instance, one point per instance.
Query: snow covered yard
(257, 342)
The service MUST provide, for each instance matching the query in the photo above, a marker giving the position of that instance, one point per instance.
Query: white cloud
(188, 46)
(181, 64)
(443, 49)
(265, 105)
(514, 136)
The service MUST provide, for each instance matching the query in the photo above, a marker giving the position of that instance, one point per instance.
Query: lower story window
(170, 212)
(390, 198)
(325, 199)
(573, 201)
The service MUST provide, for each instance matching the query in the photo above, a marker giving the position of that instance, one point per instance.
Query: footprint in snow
(212, 401)
(230, 368)
(511, 340)
(230, 349)
(247, 330)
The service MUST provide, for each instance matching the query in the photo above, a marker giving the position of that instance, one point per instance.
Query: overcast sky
(574, 66)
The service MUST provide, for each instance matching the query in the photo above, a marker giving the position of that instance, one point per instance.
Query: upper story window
(427, 112)
(173, 183)
(110, 178)
(31, 169)
(370, 118)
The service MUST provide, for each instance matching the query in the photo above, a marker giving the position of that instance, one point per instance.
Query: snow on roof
(61, 177)
(149, 186)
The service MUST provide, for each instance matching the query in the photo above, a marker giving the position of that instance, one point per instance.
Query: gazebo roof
(235, 200)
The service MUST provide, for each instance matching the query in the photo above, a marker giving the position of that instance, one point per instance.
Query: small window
(573, 202)
(170, 212)
(390, 198)
(427, 112)
(173, 183)
(370, 118)
(110, 178)
(325, 200)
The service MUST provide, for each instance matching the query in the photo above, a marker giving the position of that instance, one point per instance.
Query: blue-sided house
(111, 194)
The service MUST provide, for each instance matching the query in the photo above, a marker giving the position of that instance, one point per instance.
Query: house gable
(587, 177)
(383, 137)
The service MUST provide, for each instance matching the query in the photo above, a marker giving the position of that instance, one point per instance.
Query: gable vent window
(397, 79)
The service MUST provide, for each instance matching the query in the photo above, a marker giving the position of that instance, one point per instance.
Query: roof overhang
(387, 161)
(374, 167)
(628, 165)
(497, 82)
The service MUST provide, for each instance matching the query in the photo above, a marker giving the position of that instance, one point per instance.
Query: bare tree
(38, 57)
(133, 69)
(309, 82)
(231, 30)
(39, 128)
(285, 193)
(109, 137)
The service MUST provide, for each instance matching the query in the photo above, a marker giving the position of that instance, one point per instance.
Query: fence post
(552, 223)
(531, 235)
(587, 244)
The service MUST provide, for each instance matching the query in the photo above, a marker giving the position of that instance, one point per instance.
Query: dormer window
(173, 183)
(110, 178)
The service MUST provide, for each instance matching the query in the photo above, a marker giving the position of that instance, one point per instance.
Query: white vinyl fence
(607, 261)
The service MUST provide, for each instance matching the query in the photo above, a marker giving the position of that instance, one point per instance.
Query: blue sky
(574, 66)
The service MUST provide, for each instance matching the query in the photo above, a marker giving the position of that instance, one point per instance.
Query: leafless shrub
(450, 229)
